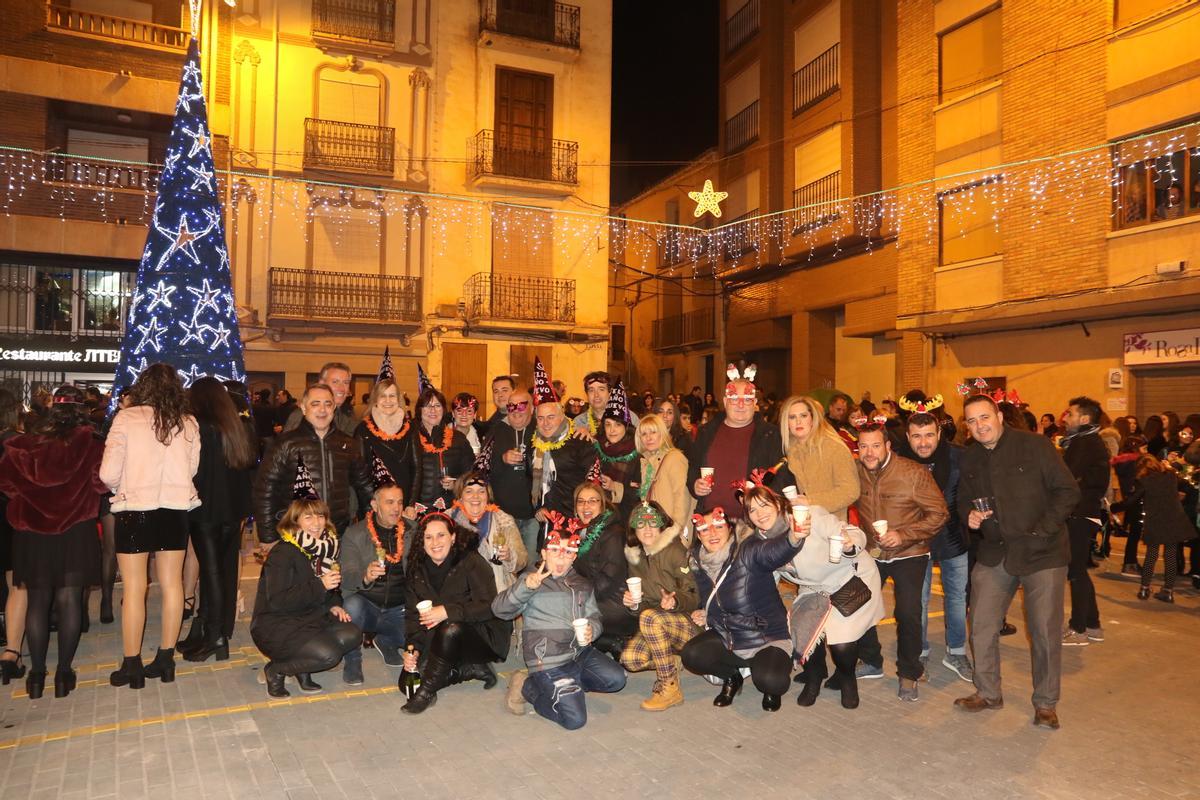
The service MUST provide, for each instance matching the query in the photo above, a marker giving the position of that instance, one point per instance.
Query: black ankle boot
(849, 685)
(434, 677)
(420, 701)
(307, 684)
(35, 683)
(163, 665)
(64, 681)
(731, 689)
(275, 687)
(814, 672)
(218, 647)
(771, 702)
(194, 640)
(131, 673)
(480, 672)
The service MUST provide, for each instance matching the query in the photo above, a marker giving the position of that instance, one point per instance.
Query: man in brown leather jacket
(901, 509)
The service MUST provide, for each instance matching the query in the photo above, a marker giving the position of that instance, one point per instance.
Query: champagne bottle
(409, 681)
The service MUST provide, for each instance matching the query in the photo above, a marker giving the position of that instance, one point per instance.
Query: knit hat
(385, 367)
(617, 407)
(543, 392)
(381, 476)
(302, 488)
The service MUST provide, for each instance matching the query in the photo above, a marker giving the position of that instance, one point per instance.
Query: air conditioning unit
(1170, 267)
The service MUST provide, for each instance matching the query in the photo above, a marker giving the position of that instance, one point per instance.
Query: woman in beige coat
(664, 469)
(818, 459)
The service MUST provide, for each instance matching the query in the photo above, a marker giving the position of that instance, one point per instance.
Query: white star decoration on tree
(708, 200)
(206, 297)
(199, 140)
(220, 335)
(135, 371)
(160, 295)
(151, 334)
(203, 177)
(190, 376)
(193, 332)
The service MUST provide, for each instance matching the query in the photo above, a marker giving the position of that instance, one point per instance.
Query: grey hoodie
(548, 639)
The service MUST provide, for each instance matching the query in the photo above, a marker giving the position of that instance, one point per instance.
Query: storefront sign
(74, 355)
(1162, 347)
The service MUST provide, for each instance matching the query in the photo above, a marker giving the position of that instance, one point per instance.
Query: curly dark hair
(63, 418)
(159, 387)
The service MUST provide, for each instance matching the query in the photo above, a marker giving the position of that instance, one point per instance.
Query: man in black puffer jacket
(332, 458)
(1087, 458)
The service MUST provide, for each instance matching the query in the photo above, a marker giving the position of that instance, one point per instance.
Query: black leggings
(68, 607)
(770, 667)
(216, 546)
(322, 651)
(845, 659)
(1170, 566)
(459, 643)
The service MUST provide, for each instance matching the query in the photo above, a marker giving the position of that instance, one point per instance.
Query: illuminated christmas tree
(182, 311)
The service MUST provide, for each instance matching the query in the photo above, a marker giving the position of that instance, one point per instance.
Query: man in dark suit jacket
(1016, 493)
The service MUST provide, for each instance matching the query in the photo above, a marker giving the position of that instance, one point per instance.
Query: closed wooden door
(464, 369)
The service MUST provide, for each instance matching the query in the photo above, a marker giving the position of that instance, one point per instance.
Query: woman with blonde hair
(664, 468)
(819, 461)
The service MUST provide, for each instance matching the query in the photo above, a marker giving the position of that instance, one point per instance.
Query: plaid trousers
(661, 636)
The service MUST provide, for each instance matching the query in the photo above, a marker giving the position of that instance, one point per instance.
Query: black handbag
(853, 595)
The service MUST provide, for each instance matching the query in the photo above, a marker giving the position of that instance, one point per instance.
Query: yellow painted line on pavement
(133, 724)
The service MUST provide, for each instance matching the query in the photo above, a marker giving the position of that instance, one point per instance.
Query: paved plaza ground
(1129, 713)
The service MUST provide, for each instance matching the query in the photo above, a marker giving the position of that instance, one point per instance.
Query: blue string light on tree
(182, 310)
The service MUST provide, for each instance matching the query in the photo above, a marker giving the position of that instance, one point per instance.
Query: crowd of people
(749, 540)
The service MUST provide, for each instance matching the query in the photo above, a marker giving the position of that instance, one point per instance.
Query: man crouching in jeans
(560, 663)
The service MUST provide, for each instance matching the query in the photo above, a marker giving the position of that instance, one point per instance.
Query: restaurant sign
(1162, 347)
(60, 355)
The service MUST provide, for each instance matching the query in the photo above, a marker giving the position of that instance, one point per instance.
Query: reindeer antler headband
(922, 406)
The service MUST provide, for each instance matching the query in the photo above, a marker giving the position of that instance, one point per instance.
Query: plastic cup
(880, 526)
(800, 514)
(581, 626)
(635, 588)
(707, 473)
(791, 492)
(836, 543)
(424, 605)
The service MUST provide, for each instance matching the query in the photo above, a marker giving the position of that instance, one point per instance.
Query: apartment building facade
(391, 171)
(1057, 264)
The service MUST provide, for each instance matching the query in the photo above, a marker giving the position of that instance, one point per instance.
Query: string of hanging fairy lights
(107, 190)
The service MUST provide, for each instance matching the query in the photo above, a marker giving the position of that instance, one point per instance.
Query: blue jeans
(954, 589)
(557, 693)
(388, 624)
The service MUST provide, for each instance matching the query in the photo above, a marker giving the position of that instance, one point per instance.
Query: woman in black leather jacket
(441, 453)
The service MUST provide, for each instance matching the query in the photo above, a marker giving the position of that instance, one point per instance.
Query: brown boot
(515, 699)
(666, 694)
(977, 702)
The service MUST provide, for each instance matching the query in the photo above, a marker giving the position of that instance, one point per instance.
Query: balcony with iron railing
(367, 21)
(492, 296)
(305, 295)
(684, 330)
(816, 80)
(536, 20)
(349, 147)
(140, 32)
(508, 156)
(742, 128)
(88, 189)
(816, 203)
(741, 27)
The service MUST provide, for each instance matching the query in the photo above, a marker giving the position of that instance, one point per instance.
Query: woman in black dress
(458, 633)
(227, 456)
(299, 622)
(51, 477)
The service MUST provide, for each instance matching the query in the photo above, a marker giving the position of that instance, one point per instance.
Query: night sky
(664, 88)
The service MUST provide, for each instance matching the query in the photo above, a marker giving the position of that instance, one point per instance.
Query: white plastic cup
(791, 492)
(880, 526)
(836, 543)
(424, 605)
(581, 626)
(707, 473)
(635, 588)
(800, 513)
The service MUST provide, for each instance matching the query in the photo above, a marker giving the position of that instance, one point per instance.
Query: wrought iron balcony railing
(118, 29)
(349, 147)
(816, 80)
(520, 297)
(98, 174)
(741, 27)
(742, 128)
(816, 202)
(302, 294)
(678, 330)
(540, 20)
(365, 20)
(523, 157)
